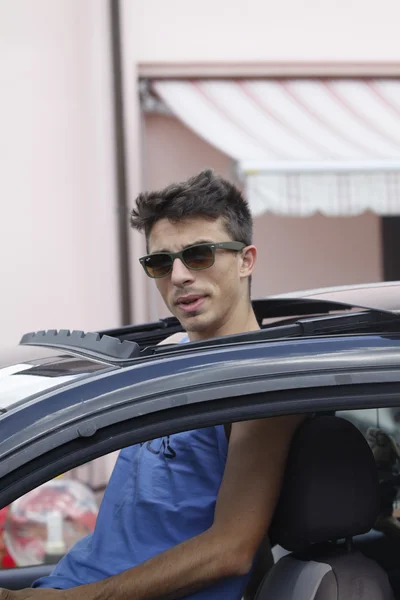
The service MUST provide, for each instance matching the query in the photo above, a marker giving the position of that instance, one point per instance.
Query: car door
(185, 391)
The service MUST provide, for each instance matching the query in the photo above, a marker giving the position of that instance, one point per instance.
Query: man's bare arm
(246, 501)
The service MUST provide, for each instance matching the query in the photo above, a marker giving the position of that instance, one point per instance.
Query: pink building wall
(58, 193)
(256, 31)
(58, 230)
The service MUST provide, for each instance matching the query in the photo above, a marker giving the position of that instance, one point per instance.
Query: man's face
(206, 302)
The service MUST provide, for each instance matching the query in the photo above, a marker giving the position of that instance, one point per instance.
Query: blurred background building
(297, 102)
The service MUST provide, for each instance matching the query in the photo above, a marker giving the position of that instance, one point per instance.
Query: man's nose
(180, 273)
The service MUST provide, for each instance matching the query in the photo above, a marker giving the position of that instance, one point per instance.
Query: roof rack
(264, 308)
(146, 333)
(272, 308)
(124, 344)
(93, 344)
(339, 324)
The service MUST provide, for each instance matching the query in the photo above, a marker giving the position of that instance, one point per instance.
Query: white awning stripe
(196, 112)
(379, 110)
(216, 95)
(305, 145)
(236, 105)
(290, 122)
(361, 106)
(284, 101)
(326, 109)
(388, 92)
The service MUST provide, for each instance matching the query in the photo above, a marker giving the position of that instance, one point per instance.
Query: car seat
(329, 494)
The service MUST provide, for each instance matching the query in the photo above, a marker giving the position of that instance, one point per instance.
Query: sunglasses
(197, 258)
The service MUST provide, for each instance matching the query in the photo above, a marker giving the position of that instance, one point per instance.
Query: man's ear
(249, 257)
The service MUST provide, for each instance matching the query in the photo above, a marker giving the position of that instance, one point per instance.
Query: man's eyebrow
(187, 246)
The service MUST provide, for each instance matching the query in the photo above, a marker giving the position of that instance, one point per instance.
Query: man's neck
(232, 327)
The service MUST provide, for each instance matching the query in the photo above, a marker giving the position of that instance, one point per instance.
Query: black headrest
(330, 488)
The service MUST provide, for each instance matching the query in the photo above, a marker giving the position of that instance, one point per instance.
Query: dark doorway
(391, 248)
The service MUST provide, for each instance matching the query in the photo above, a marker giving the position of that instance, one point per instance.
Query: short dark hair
(205, 194)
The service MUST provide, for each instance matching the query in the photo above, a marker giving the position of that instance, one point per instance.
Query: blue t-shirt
(160, 494)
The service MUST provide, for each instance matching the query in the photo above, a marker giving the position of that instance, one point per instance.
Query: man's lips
(190, 303)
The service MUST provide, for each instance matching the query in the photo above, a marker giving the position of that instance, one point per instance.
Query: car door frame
(147, 409)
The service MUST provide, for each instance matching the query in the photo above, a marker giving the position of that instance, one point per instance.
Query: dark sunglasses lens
(158, 265)
(198, 257)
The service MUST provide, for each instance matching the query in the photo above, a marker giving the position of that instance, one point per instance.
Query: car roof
(28, 371)
(45, 360)
(382, 296)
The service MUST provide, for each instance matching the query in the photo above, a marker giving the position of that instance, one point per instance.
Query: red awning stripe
(238, 122)
(330, 126)
(322, 149)
(359, 117)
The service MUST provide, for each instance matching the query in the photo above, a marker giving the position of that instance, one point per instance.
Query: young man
(184, 516)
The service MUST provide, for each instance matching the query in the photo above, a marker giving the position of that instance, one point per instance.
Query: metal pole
(120, 158)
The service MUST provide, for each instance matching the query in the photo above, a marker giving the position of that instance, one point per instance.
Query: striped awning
(304, 146)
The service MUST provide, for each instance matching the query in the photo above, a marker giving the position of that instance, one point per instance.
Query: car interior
(329, 497)
(325, 543)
